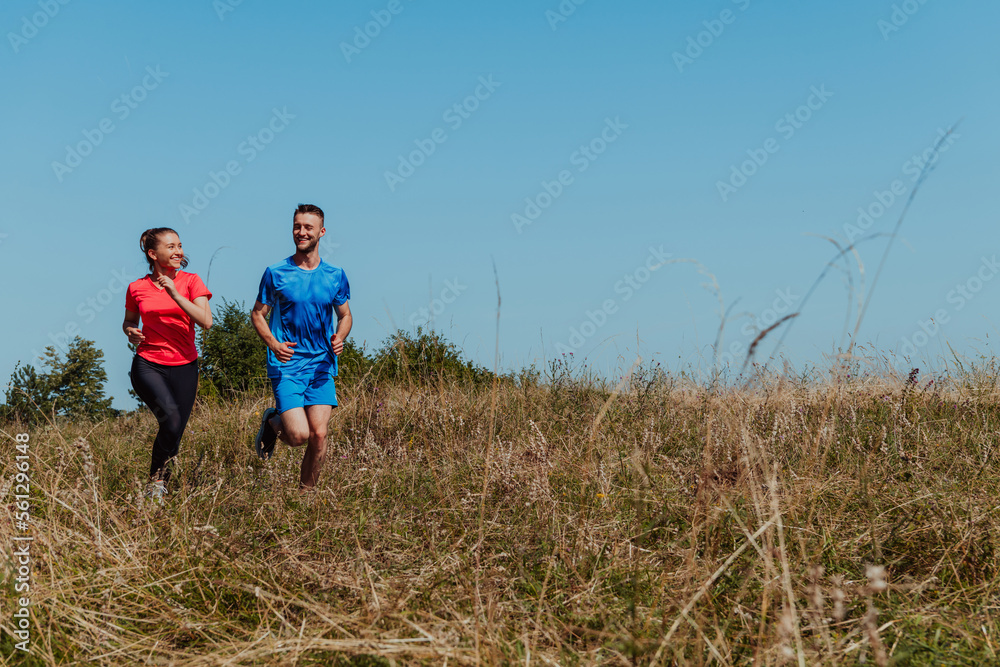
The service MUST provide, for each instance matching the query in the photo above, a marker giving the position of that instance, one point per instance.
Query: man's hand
(284, 351)
(337, 345)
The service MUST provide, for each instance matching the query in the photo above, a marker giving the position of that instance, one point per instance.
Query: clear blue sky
(346, 115)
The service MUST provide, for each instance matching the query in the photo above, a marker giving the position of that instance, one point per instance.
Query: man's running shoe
(266, 435)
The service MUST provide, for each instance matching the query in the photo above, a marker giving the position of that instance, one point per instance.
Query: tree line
(70, 385)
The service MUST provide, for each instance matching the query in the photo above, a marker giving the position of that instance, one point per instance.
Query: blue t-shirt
(302, 304)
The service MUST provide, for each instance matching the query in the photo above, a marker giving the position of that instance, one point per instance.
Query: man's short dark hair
(308, 208)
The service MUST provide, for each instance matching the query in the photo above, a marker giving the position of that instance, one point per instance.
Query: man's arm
(344, 322)
(258, 317)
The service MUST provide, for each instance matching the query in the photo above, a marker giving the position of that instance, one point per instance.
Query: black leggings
(169, 391)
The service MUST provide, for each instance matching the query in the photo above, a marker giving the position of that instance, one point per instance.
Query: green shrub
(424, 358)
(233, 356)
(353, 364)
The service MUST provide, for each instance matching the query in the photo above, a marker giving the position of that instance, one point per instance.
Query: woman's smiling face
(168, 253)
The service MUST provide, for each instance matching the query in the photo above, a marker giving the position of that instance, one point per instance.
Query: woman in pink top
(169, 302)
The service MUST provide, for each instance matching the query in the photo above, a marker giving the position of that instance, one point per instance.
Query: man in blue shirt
(301, 294)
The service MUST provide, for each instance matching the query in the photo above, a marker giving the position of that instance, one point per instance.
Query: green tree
(27, 395)
(232, 354)
(70, 386)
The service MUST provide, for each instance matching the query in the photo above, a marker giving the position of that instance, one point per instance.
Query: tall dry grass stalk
(656, 523)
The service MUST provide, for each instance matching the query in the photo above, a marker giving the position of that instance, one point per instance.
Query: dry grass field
(833, 520)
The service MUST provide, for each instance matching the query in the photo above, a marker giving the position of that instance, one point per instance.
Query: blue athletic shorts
(298, 392)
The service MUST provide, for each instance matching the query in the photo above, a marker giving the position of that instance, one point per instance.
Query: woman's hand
(168, 285)
(135, 335)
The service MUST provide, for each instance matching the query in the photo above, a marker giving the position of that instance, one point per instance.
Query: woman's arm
(199, 310)
(131, 327)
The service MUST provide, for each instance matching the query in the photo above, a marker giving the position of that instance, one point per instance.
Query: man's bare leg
(291, 426)
(318, 417)
(299, 426)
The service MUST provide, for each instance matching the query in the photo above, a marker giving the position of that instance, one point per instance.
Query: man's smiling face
(306, 231)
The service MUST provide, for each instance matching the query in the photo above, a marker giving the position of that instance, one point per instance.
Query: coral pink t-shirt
(169, 331)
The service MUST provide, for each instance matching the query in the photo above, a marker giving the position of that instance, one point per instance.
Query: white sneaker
(157, 491)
